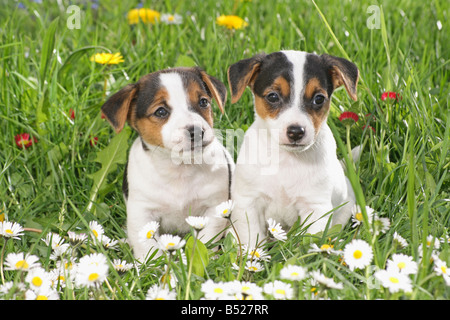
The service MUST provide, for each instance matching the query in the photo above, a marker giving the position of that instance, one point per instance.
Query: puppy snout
(195, 133)
(295, 133)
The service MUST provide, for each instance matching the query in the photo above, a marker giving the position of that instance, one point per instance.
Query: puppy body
(287, 165)
(176, 167)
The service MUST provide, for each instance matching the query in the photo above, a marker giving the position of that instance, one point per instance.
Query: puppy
(287, 166)
(176, 166)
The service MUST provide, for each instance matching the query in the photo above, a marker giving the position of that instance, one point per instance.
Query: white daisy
(148, 231)
(325, 281)
(254, 266)
(156, 292)
(59, 251)
(46, 293)
(276, 230)
(53, 239)
(358, 254)
(168, 242)
(257, 254)
(293, 273)
(38, 278)
(96, 230)
(10, 229)
(17, 261)
(245, 290)
(440, 267)
(380, 225)
(402, 263)
(399, 240)
(198, 223)
(326, 248)
(357, 215)
(431, 243)
(76, 239)
(216, 290)
(122, 266)
(91, 270)
(171, 18)
(279, 290)
(109, 243)
(394, 280)
(224, 209)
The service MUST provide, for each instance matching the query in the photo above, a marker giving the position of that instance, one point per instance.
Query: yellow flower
(145, 15)
(107, 58)
(231, 22)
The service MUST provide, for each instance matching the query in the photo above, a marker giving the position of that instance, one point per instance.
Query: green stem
(186, 297)
(1, 260)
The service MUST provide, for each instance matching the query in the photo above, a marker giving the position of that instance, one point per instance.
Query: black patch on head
(316, 67)
(272, 66)
(148, 87)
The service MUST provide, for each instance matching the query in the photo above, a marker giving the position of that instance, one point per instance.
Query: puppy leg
(248, 227)
(137, 217)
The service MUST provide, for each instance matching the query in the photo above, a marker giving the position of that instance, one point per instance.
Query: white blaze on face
(294, 114)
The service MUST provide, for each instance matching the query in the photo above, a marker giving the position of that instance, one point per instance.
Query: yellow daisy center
(171, 18)
(41, 297)
(22, 264)
(95, 233)
(359, 216)
(225, 211)
(326, 247)
(218, 290)
(150, 234)
(394, 280)
(444, 269)
(253, 268)
(401, 265)
(280, 291)
(9, 231)
(93, 276)
(255, 253)
(245, 288)
(357, 254)
(36, 281)
(294, 274)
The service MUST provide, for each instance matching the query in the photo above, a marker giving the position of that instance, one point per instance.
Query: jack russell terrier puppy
(176, 167)
(287, 165)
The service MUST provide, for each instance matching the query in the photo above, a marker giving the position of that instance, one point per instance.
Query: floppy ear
(241, 74)
(216, 88)
(117, 108)
(343, 72)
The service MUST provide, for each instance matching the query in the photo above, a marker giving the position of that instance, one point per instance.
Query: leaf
(198, 256)
(47, 51)
(115, 153)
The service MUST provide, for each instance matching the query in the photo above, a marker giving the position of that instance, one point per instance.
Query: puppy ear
(241, 74)
(343, 72)
(117, 107)
(216, 88)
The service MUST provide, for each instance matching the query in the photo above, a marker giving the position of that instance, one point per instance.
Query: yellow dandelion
(144, 15)
(231, 22)
(107, 58)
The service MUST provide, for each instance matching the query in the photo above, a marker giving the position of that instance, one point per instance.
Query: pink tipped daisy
(348, 118)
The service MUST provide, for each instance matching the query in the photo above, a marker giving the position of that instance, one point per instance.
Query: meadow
(61, 164)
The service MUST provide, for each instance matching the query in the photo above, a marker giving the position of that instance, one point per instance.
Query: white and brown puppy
(176, 167)
(287, 165)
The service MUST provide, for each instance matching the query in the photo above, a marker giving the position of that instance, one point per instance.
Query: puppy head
(169, 108)
(292, 91)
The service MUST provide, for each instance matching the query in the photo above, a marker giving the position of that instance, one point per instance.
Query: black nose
(196, 133)
(295, 133)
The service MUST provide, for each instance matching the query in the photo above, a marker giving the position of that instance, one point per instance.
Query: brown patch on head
(195, 93)
(318, 114)
(267, 110)
(149, 126)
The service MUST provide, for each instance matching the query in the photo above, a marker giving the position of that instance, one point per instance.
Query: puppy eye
(203, 103)
(273, 97)
(161, 113)
(319, 99)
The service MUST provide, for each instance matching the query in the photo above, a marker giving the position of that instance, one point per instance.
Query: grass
(55, 185)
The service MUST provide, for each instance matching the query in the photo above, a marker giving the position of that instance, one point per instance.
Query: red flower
(348, 117)
(370, 127)
(93, 141)
(390, 95)
(72, 114)
(24, 140)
